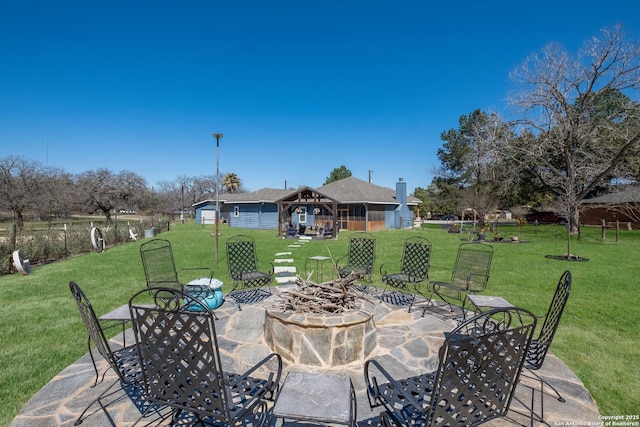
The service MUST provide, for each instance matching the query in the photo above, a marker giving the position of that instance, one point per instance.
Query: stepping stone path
(284, 270)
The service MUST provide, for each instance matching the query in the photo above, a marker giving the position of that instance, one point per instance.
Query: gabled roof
(264, 195)
(354, 190)
(346, 190)
(629, 194)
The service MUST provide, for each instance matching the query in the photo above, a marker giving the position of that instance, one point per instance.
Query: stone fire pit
(317, 338)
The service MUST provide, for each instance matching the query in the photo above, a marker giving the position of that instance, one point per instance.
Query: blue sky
(298, 88)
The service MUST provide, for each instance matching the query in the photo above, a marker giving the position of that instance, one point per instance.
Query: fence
(48, 244)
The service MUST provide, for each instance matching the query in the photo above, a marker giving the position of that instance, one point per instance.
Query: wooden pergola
(306, 196)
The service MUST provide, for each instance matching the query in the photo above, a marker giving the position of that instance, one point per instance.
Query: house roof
(264, 195)
(354, 190)
(626, 195)
(346, 190)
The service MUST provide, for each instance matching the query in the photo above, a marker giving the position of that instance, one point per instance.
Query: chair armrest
(372, 383)
(258, 365)
(268, 266)
(387, 267)
(342, 262)
(210, 270)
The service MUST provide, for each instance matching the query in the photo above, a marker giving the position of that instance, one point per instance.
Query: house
(621, 206)
(348, 204)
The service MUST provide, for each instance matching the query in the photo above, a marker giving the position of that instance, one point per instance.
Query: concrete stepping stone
(281, 260)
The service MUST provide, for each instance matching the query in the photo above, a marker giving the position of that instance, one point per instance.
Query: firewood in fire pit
(335, 296)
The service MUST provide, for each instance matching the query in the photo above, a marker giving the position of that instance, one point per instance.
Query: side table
(316, 397)
(487, 301)
(319, 268)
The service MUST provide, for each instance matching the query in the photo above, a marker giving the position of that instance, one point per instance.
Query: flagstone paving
(407, 343)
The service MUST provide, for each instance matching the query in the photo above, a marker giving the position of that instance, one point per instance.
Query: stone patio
(407, 343)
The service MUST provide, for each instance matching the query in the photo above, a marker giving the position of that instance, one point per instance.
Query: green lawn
(598, 337)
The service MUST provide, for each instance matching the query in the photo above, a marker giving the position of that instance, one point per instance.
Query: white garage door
(208, 217)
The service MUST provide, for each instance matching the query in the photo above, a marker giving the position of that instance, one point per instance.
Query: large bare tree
(103, 191)
(20, 183)
(578, 119)
(472, 169)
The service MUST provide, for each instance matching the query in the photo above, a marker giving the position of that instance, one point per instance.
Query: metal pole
(217, 136)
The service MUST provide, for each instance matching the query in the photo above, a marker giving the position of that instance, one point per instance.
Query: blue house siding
(263, 216)
(389, 217)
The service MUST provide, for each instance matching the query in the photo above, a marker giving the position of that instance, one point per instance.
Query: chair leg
(98, 400)
(532, 409)
(534, 375)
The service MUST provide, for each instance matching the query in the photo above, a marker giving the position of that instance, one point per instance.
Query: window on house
(236, 211)
(302, 216)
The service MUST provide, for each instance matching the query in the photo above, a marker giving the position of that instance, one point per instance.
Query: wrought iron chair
(406, 275)
(159, 265)
(249, 275)
(182, 366)
(540, 345)
(469, 276)
(160, 270)
(124, 361)
(360, 258)
(478, 370)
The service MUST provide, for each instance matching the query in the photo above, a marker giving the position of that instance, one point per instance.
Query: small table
(119, 316)
(315, 397)
(487, 301)
(317, 259)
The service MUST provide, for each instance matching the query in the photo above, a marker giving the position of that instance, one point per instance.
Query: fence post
(12, 244)
(604, 226)
(617, 230)
(66, 251)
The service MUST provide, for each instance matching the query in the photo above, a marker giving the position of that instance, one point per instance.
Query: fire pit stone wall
(321, 339)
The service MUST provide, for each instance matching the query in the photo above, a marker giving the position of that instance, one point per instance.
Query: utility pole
(217, 136)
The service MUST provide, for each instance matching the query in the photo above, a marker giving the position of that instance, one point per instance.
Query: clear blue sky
(298, 88)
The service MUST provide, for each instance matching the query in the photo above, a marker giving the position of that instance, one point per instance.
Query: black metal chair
(124, 361)
(360, 258)
(406, 275)
(182, 367)
(160, 271)
(249, 275)
(540, 345)
(160, 267)
(479, 367)
(469, 276)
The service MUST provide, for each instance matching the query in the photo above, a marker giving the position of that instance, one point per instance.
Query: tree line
(573, 133)
(27, 186)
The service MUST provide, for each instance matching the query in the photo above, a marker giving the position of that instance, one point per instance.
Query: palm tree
(231, 182)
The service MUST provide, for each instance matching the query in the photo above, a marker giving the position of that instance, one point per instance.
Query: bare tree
(472, 166)
(103, 191)
(20, 181)
(56, 196)
(579, 127)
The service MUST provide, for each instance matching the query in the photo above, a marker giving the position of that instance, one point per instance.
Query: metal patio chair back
(124, 361)
(360, 258)
(159, 265)
(406, 275)
(246, 270)
(540, 345)
(478, 370)
(542, 342)
(470, 273)
(182, 367)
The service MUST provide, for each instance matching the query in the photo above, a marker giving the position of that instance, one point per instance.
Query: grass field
(598, 337)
